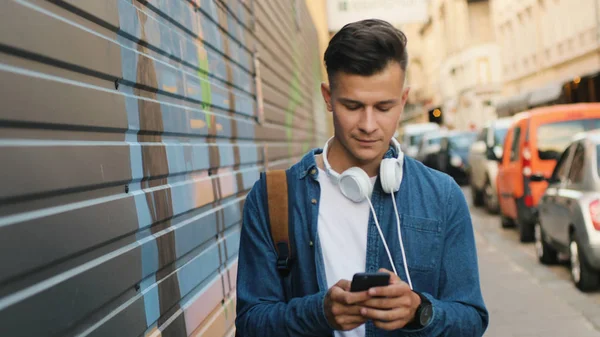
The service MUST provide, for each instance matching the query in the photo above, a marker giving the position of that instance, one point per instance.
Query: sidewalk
(518, 303)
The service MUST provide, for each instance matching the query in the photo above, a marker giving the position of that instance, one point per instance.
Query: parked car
(533, 143)
(484, 157)
(412, 134)
(430, 143)
(452, 155)
(569, 211)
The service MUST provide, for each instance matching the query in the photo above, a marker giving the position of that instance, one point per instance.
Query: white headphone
(355, 184)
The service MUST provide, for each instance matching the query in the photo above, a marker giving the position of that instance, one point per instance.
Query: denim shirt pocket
(422, 239)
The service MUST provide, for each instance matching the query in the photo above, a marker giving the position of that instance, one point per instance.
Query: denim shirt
(438, 239)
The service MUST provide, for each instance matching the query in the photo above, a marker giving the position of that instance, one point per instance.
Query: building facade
(455, 62)
(546, 42)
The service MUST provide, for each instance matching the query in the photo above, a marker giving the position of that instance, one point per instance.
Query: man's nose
(367, 123)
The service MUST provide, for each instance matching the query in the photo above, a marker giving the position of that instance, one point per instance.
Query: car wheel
(526, 232)
(545, 253)
(489, 199)
(582, 274)
(477, 196)
(506, 222)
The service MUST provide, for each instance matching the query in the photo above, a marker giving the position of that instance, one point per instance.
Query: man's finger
(344, 284)
(339, 309)
(350, 319)
(351, 326)
(393, 290)
(386, 315)
(356, 297)
(393, 277)
(348, 298)
(384, 303)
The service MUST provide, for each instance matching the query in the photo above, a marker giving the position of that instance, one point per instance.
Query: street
(524, 297)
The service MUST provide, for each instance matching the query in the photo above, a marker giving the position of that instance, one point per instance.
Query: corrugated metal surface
(129, 136)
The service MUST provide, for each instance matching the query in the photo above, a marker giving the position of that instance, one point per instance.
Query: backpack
(277, 200)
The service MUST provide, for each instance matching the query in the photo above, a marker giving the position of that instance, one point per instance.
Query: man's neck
(340, 160)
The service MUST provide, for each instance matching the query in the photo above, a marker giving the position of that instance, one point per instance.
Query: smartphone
(364, 281)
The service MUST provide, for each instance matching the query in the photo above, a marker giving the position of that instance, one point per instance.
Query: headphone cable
(401, 243)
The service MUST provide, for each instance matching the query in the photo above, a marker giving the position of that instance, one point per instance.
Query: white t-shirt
(342, 230)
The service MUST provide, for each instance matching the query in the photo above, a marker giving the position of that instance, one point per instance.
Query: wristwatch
(423, 315)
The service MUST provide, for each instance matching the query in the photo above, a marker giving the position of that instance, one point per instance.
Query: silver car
(568, 221)
(484, 156)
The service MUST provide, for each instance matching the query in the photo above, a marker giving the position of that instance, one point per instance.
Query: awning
(546, 94)
(512, 105)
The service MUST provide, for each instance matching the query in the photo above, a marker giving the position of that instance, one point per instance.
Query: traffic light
(436, 116)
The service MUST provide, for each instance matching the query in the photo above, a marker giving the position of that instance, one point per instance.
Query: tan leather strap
(277, 195)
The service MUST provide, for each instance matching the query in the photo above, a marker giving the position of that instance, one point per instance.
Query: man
(334, 238)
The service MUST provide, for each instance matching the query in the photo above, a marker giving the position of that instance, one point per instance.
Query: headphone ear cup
(391, 175)
(355, 184)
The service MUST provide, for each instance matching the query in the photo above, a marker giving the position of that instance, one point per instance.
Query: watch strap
(416, 322)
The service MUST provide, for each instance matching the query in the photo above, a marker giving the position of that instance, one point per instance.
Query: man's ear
(405, 95)
(326, 92)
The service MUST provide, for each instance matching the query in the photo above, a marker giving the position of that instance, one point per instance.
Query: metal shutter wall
(129, 136)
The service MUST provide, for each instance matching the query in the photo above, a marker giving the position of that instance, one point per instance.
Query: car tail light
(595, 213)
(526, 160)
(529, 201)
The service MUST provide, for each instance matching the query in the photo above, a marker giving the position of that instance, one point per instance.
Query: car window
(562, 166)
(482, 136)
(514, 150)
(435, 140)
(415, 139)
(576, 171)
(553, 138)
(499, 135)
(462, 141)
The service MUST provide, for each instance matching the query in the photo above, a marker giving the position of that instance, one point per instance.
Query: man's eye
(384, 109)
(352, 107)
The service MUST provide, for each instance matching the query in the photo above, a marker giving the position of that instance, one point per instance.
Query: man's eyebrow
(389, 101)
(351, 101)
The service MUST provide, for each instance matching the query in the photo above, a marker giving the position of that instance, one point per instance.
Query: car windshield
(436, 140)
(499, 134)
(415, 139)
(462, 141)
(553, 138)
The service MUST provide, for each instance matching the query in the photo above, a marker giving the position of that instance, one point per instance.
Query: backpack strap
(277, 198)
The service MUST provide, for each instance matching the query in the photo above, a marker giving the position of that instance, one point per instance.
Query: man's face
(366, 111)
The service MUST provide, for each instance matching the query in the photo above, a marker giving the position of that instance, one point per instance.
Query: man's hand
(342, 307)
(392, 306)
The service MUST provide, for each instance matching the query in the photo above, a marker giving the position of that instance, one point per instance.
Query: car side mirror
(497, 153)
(538, 177)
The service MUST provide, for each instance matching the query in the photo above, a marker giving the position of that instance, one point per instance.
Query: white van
(412, 134)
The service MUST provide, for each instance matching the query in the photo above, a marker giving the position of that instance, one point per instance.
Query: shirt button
(314, 201)
(310, 243)
(313, 171)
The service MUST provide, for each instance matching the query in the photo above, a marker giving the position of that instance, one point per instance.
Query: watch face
(426, 315)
